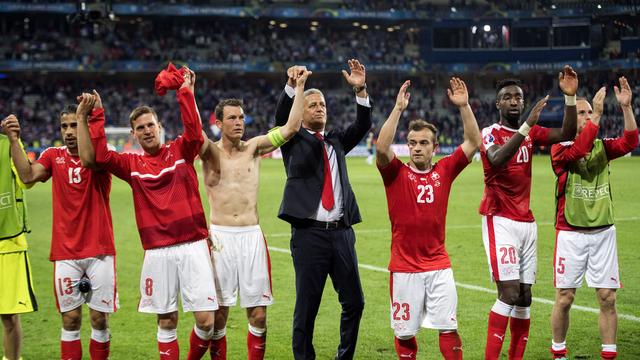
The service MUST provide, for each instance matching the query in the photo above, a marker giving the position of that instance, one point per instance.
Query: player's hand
(568, 81)
(357, 77)
(86, 103)
(402, 100)
(98, 100)
(301, 77)
(11, 127)
(458, 93)
(292, 74)
(598, 101)
(534, 115)
(623, 93)
(189, 80)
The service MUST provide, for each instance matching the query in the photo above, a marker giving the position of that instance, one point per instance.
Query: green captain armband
(276, 138)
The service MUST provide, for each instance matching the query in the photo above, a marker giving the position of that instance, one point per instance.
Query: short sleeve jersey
(82, 224)
(417, 203)
(508, 188)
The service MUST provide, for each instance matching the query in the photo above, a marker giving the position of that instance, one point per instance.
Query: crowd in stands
(214, 41)
(37, 102)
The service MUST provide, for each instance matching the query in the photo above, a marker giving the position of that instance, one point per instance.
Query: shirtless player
(240, 255)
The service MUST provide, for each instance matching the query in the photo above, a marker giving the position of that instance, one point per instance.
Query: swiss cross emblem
(435, 176)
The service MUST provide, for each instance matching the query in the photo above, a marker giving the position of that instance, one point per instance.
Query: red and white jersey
(165, 186)
(508, 188)
(417, 203)
(564, 153)
(81, 225)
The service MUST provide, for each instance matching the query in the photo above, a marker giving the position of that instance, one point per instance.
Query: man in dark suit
(320, 206)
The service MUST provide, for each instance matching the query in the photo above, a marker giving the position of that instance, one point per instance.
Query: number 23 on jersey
(425, 195)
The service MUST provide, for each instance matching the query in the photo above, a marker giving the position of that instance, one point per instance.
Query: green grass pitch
(134, 334)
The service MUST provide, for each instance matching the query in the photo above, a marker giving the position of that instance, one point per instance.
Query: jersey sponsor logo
(5, 200)
(165, 353)
(106, 302)
(266, 296)
(590, 192)
(75, 162)
(501, 337)
(22, 303)
(212, 299)
(408, 356)
(614, 280)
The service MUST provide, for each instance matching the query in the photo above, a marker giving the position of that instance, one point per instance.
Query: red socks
(495, 335)
(218, 349)
(406, 349)
(71, 350)
(608, 355)
(169, 350)
(451, 346)
(519, 337)
(99, 350)
(256, 346)
(197, 346)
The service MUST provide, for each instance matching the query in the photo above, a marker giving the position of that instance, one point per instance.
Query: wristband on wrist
(570, 100)
(524, 129)
(357, 89)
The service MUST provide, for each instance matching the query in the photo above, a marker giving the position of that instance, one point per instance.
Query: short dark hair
(139, 111)
(421, 124)
(219, 111)
(68, 110)
(507, 82)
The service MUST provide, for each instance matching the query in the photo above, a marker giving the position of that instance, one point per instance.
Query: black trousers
(317, 253)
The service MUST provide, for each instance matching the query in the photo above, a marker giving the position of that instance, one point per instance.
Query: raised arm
(623, 95)
(29, 173)
(356, 78)
(384, 154)
(629, 140)
(285, 102)
(499, 155)
(280, 135)
(97, 151)
(568, 81)
(86, 104)
(459, 96)
(192, 132)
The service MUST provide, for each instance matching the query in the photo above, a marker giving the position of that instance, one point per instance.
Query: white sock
(259, 332)
(202, 334)
(501, 308)
(558, 346)
(167, 336)
(609, 348)
(219, 334)
(521, 312)
(70, 335)
(101, 336)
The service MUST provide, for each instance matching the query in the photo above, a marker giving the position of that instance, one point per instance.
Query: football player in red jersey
(585, 230)
(170, 218)
(508, 228)
(423, 291)
(82, 235)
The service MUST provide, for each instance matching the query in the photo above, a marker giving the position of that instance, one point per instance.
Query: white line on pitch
(481, 289)
(470, 226)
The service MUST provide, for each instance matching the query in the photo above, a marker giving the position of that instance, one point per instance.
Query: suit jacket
(304, 166)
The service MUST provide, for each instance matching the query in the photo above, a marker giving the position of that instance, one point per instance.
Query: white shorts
(593, 253)
(101, 272)
(427, 299)
(241, 264)
(511, 248)
(185, 268)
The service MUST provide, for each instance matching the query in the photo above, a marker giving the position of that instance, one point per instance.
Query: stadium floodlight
(272, 22)
(283, 25)
(486, 28)
(599, 6)
(315, 23)
(474, 29)
(453, 9)
(553, 6)
(364, 26)
(356, 24)
(390, 29)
